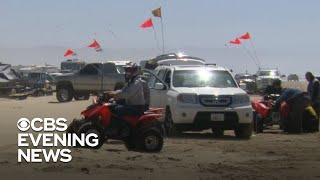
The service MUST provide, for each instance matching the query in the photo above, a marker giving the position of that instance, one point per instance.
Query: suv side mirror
(159, 86)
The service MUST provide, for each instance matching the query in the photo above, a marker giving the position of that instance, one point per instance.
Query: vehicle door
(88, 78)
(163, 92)
(111, 76)
(156, 94)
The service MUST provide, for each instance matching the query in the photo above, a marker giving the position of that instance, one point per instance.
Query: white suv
(201, 97)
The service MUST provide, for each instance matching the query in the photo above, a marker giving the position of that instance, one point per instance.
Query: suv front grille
(215, 101)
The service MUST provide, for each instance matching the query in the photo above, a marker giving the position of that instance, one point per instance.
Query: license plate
(217, 117)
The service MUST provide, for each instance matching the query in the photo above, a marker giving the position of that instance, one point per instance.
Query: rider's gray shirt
(132, 93)
(146, 91)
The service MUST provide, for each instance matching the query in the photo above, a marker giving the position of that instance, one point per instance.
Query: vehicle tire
(169, 126)
(84, 96)
(150, 141)
(218, 132)
(64, 94)
(130, 143)
(243, 131)
(258, 124)
(88, 128)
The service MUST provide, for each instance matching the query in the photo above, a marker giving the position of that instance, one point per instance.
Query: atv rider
(132, 93)
(146, 90)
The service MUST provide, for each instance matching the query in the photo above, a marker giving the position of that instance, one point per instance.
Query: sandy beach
(194, 155)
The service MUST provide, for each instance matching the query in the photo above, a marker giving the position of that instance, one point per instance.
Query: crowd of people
(303, 108)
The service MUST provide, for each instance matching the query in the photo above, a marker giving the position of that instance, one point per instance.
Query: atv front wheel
(89, 128)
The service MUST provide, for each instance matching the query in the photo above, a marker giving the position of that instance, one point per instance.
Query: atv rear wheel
(150, 141)
(243, 131)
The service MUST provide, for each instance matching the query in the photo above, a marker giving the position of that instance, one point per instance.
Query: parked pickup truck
(88, 80)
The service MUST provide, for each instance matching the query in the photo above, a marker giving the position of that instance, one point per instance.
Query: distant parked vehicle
(71, 65)
(293, 77)
(120, 65)
(9, 79)
(265, 78)
(247, 82)
(92, 78)
(171, 59)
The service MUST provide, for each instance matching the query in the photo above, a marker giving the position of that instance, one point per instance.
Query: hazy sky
(285, 32)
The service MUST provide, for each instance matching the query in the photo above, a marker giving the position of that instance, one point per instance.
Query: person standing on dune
(314, 92)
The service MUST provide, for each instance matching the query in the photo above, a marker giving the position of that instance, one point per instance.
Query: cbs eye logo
(23, 124)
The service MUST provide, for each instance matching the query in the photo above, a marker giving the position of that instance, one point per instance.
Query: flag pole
(255, 53)
(156, 38)
(163, 50)
(250, 55)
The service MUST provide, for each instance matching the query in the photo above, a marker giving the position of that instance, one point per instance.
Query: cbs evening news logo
(45, 140)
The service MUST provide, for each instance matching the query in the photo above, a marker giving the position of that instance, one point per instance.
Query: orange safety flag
(69, 52)
(146, 24)
(95, 45)
(157, 12)
(245, 36)
(235, 41)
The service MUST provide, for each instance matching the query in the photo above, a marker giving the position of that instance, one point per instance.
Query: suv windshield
(203, 78)
(268, 73)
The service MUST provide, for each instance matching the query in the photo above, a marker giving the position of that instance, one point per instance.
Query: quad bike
(141, 132)
(264, 115)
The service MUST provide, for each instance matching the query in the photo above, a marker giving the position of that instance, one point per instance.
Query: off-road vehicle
(92, 78)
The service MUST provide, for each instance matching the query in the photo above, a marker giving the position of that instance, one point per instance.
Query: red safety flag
(148, 23)
(69, 52)
(245, 36)
(235, 41)
(95, 45)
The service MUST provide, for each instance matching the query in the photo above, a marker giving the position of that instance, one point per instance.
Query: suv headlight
(242, 99)
(188, 98)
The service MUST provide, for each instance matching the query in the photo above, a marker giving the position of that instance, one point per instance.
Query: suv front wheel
(64, 94)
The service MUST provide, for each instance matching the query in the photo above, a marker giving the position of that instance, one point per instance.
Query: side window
(90, 69)
(109, 68)
(152, 79)
(161, 73)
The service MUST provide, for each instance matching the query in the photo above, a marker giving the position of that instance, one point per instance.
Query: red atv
(264, 115)
(141, 132)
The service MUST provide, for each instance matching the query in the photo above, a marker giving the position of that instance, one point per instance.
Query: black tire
(218, 132)
(169, 126)
(84, 96)
(243, 131)
(92, 128)
(258, 124)
(130, 143)
(150, 141)
(64, 94)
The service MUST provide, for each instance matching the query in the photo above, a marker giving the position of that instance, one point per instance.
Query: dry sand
(272, 155)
